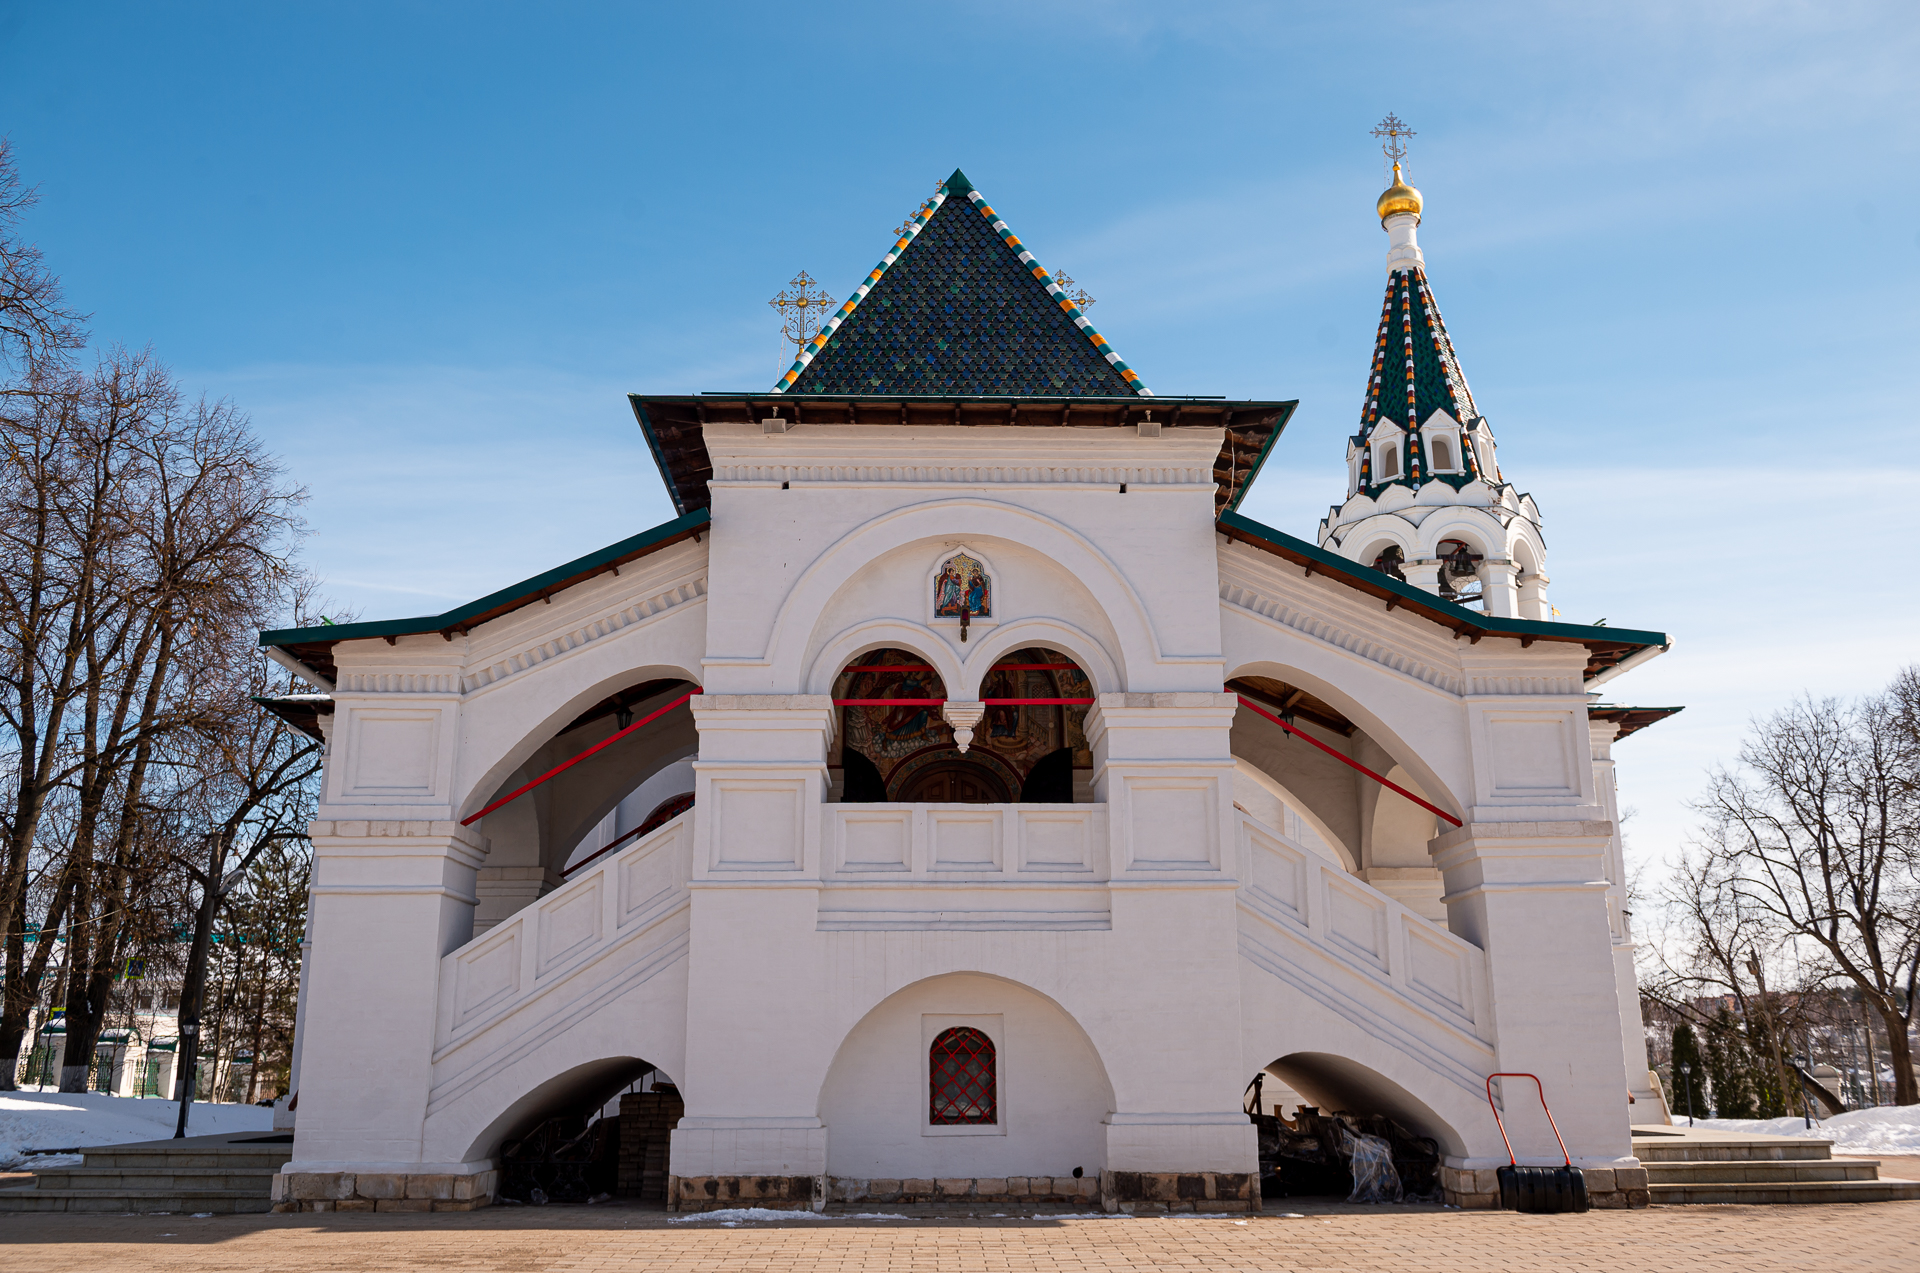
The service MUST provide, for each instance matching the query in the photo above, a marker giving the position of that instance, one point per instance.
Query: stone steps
(225, 1175)
(1812, 1191)
(1689, 1166)
(1772, 1171)
(137, 1201)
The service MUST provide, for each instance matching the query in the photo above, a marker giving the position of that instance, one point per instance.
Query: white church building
(961, 800)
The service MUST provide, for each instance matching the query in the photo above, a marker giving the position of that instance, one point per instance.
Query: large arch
(541, 827)
(1392, 718)
(519, 1071)
(1340, 1084)
(1342, 1060)
(579, 1090)
(499, 736)
(1053, 1089)
(938, 521)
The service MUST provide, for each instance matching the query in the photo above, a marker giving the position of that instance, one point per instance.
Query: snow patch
(57, 1120)
(1889, 1129)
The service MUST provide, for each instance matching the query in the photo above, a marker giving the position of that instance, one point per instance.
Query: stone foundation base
(1152, 1192)
(1127, 1192)
(1608, 1188)
(382, 1191)
(774, 1193)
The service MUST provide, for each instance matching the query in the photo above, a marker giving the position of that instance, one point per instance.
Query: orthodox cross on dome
(962, 590)
(1071, 291)
(802, 304)
(1395, 130)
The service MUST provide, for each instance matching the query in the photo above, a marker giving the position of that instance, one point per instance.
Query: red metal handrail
(1348, 760)
(565, 765)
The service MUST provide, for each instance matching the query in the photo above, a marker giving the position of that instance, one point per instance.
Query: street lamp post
(1805, 1064)
(1686, 1082)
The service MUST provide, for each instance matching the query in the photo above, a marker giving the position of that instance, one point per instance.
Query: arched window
(964, 1083)
(1390, 463)
(1442, 455)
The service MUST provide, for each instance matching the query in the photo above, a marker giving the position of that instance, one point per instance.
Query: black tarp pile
(1345, 1155)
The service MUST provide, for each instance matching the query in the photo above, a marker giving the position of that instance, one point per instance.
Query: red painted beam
(565, 765)
(1252, 706)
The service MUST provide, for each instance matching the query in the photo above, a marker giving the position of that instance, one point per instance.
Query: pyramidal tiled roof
(959, 306)
(1415, 373)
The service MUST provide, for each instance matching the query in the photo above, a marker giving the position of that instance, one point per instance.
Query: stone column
(389, 899)
(1533, 597)
(1424, 575)
(1163, 765)
(1527, 881)
(1496, 585)
(752, 1134)
(1648, 1104)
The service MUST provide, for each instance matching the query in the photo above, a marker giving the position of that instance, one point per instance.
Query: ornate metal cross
(1076, 295)
(1395, 131)
(802, 305)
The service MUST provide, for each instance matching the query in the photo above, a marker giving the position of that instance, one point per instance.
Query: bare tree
(1816, 834)
(202, 564)
(258, 794)
(1720, 955)
(36, 327)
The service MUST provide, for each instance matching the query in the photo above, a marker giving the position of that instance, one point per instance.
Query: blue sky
(429, 247)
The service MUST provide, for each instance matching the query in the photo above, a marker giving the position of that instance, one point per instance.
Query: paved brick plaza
(1829, 1239)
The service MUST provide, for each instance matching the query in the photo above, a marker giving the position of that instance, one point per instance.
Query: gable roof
(959, 306)
(1607, 648)
(313, 647)
(1415, 373)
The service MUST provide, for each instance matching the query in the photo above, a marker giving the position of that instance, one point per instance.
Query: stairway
(1694, 1165)
(196, 1174)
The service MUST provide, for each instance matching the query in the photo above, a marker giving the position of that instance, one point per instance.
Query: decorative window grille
(965, 1089)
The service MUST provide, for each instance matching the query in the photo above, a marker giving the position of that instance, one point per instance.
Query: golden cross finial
(907, 226)
(1067, 289)
(801, 307)
(1395, 131)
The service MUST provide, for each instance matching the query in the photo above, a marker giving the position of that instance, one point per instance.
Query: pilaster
(754, 988)
(1163, 764)
(390, 897)
(1532, 895)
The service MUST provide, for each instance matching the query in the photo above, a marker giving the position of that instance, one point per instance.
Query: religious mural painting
(905, 739)
(963, 590)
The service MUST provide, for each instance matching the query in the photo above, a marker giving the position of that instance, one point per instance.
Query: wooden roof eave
(674, 424)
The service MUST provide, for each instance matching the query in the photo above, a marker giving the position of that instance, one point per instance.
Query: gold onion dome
(1399, 197)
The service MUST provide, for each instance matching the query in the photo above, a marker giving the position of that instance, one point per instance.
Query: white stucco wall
(1053, 1091)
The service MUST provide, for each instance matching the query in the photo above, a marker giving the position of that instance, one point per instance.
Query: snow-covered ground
(57, 1120)
(1890, 1129)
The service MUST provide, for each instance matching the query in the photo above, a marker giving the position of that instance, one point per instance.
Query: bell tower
(1426, 500)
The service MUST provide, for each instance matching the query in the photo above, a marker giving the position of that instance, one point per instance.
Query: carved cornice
(1197, 475)
(1312, 614)
(640, 610)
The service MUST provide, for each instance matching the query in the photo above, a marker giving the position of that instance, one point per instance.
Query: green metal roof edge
(494, 600)
(1491, 624)
(1260, 460)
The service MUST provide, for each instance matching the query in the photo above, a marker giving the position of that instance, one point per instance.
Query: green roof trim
(495, 604)
(1607, 646)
